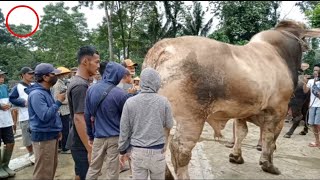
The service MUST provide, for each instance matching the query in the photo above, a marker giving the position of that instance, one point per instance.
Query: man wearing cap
(19, 98)
(45, 122)
(131, 66)
(6, 131)
(64, 111)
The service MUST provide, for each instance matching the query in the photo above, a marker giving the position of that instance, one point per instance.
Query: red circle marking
(22, 35)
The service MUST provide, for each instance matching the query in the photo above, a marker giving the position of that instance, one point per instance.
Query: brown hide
(207, 80)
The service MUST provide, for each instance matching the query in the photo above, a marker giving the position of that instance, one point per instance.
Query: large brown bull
(207, 80)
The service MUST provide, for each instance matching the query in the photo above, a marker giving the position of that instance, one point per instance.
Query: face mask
(53, 80)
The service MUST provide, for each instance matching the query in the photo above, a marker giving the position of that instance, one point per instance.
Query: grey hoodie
(145, 115)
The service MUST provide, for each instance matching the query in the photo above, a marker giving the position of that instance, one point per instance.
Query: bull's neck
(291, 52)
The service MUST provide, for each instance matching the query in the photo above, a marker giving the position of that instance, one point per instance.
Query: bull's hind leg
(241, 132)
(271, 130)
(187, 134)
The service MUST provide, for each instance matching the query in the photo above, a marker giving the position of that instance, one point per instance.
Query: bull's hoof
(236, 159)
(270, 168)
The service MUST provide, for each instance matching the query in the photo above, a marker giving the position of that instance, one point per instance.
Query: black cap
(25, 70)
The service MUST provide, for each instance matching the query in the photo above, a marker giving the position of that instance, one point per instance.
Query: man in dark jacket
(104, 137)
(45, 122)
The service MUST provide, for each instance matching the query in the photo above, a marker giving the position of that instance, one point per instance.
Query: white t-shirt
(314, 101)
(23, 111)
(5, 116)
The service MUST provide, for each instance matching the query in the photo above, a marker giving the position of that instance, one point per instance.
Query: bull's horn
(313, 33)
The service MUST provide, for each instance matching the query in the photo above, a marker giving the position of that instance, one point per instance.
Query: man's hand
(123, 158)
(59, 136)
(90, 142)
(61, 97)
(132, 90)
(89, 157)
(5, 107)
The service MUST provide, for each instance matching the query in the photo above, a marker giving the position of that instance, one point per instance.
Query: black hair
(317, 65)
(86, 50)
(103, 66)
(124, 64)
(38, 78)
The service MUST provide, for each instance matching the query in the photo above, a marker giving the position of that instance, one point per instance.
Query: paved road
(210, 158)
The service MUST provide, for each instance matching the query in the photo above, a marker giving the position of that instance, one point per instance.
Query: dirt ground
(210, 160)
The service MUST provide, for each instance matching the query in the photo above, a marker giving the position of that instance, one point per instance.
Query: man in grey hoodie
(145, 123)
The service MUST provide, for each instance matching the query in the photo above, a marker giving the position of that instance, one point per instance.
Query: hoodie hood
(113, 73)
(34, 87)
(150, 81)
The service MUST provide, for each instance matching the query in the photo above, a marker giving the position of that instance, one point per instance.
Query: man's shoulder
(77, 80)
(77, 83)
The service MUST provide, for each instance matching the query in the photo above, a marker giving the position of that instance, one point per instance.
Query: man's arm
(168, 122)
(15, 99)
(125, 130)
(78, 95)
(306, 85)
(87, 117)
(80, 125)
(40, 107)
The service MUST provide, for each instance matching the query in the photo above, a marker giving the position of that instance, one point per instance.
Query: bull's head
(298, 31)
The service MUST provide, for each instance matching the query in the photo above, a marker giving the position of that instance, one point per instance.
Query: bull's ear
(312, 33)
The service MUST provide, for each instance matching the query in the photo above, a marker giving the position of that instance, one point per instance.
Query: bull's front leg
(270, 132)
(241, 131)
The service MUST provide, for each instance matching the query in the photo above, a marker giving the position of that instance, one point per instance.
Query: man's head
(73, 71)
(89, 59)
(2, 76)
(316, 70)
(64, 72)
(136, 81)
(150, 80)
(102, 67)
(45, 73)
(127, 77)
(27, 74)
(130, 65)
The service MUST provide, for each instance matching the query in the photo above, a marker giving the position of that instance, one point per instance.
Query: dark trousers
(299, 112)
(66, 124)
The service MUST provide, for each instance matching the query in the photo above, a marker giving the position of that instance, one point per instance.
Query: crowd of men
(97, 112)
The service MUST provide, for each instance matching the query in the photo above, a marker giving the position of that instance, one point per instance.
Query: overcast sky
(95, 16)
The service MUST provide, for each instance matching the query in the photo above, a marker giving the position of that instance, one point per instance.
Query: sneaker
(32, 158)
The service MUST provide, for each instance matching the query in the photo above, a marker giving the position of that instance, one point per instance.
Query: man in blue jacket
(45, 122)
(104, 137)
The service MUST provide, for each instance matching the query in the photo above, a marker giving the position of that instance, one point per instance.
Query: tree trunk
(122, 29)
(109, 24)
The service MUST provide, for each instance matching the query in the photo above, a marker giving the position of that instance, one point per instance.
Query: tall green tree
(61, 34)
(240, 20)
(194, 21)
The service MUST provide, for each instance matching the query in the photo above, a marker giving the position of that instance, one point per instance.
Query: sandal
(313, 144)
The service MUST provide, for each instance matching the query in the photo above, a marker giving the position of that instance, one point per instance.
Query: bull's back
(207, 71)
